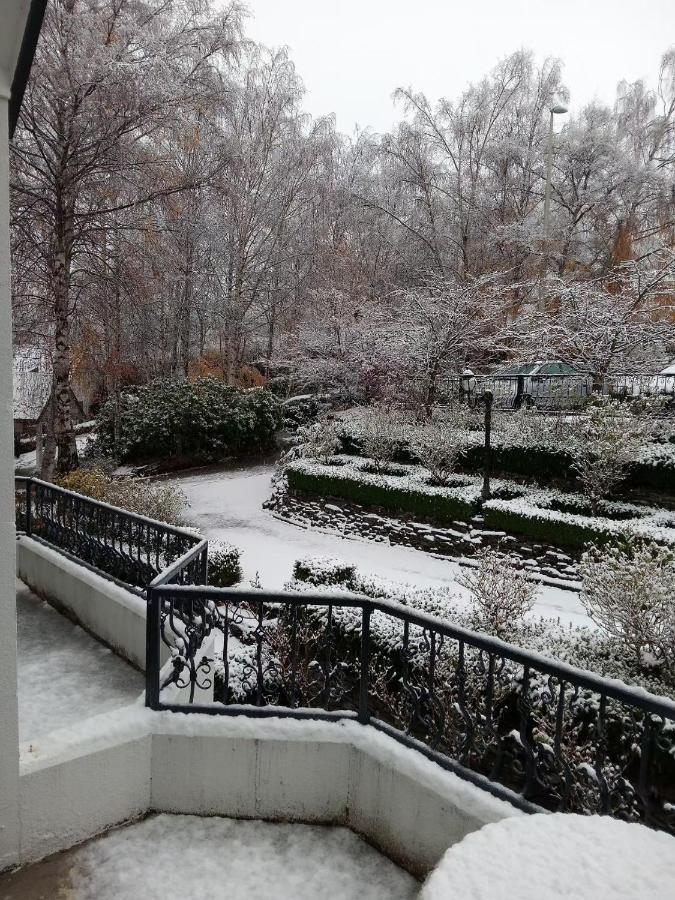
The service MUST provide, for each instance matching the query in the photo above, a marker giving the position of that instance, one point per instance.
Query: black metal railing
(537, 732)
(130, 549)
(564, 392)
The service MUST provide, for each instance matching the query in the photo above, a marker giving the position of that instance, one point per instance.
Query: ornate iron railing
(537, 732)
(554, 392)
(130, 549)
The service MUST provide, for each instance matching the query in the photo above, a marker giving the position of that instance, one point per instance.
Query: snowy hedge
(519, 451)
(566, 519)
(402, 490)
(205, 419)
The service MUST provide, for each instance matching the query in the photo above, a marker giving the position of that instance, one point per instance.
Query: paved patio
(64, 674)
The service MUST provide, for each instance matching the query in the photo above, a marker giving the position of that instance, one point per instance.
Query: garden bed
(407, 491)
(566, 519)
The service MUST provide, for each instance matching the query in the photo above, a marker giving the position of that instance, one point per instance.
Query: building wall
(9, 733)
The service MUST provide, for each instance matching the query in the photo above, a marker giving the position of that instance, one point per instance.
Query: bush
(501, 594)
(439, 444)
(629, 591)
(205, 419)
(324, 570)
(604, 442)
(151, 499)
(224, 564)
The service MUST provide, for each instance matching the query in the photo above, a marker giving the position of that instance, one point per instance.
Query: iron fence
(537, 732)
(556, 392)
(128, 548)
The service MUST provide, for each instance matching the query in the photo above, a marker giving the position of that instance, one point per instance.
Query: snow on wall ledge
(114, 767)
(111, 613)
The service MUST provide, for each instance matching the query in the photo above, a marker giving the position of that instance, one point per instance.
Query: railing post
(364, 682)
(204, 566)
(152, 626)
(29, 517)
(487, 448)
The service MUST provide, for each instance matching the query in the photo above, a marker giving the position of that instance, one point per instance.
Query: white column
(9, 724)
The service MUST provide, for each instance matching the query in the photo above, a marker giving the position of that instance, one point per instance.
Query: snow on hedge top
(414, 479)
(548, 857)
(645, 521)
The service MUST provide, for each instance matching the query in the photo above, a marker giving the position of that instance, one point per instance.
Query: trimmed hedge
(543, 464)
(441, 508)
(552, 531)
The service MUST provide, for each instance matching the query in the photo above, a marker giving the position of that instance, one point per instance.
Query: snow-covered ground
(27, 462)
(199, 858)
(227, 505)
(64, 674)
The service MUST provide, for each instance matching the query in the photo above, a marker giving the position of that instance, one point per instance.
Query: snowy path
(227, 505)
(64, 674)
(215, 859)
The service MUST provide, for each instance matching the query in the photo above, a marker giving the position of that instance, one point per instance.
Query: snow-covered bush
(603, 443)
(439, 444)
(224, 564)
(322, 440)
(146, 498)
(324, 570)
(204, 419)
(501, 595)
(381, 437)
(629, 591)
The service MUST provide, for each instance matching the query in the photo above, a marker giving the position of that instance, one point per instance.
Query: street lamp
(557, 110)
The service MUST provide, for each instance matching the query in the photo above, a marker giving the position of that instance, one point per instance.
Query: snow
(64, 674)
(188, 856)
(549, 857)
(27, 462)
(227, 505)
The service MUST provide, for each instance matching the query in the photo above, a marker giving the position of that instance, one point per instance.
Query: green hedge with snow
(402, 494)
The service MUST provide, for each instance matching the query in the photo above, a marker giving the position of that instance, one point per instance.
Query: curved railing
(130, 549)
(537, 732)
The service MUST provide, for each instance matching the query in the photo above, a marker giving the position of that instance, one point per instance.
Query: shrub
(603, 443)
(321, 440)
(224, 564)
(205, 419)
(324, 570)
(439, 444)
(629, 591)
(151, 499)
(381, 436)
(501, 595)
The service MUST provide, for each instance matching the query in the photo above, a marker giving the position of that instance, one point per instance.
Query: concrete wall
(120, 765)
(9, 730)
(112, 614)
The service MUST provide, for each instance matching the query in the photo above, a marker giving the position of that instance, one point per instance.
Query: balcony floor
(64, 674)
(212, 858)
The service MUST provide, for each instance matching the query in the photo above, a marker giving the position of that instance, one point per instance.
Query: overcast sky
(352, 54)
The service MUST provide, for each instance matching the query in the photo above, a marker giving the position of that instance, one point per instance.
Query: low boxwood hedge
(442, 508)
(551, 531)
(541, 464)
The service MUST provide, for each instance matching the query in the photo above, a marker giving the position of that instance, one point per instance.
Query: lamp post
(557, 110)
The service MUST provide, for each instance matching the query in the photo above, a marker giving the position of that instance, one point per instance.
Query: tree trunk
(64, 434)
